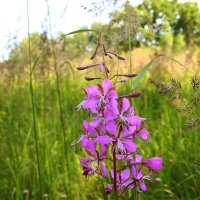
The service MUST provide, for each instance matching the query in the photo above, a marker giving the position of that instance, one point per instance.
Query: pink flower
(97, 159)
(153, 164)
(138, 177)
(99, 98)
(123, 141)
(89, 132)
(125, 114)
(122, 178)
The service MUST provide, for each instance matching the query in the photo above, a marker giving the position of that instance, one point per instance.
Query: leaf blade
(78, 31)
(146, 68)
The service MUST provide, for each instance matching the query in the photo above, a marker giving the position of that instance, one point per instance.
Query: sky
(66, 16)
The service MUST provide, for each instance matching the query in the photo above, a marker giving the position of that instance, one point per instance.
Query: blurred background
(40, 88)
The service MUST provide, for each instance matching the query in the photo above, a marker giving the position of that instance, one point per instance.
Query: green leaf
(78, 31)
(143, 72)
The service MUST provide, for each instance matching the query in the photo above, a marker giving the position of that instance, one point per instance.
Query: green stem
(33, 104)
(59, 94)
(115, 173)
(135, 194)
(129, 45)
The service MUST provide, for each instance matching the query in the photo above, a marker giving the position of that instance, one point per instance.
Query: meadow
(40, 88)
(60, 170)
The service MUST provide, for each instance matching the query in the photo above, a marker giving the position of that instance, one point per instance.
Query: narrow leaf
(143, 72)
(78, 31)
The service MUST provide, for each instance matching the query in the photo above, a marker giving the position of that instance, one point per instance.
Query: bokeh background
(40, 88)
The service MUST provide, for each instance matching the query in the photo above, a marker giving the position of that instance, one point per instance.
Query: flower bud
(25, 192)
(154, 164)
(109, 189)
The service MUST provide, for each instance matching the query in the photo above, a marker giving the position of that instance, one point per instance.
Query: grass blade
(78, 31)
(143, 72)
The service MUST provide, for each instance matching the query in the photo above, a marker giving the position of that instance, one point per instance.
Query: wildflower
(89, 132)
(123, 116)
(96, 160)
(139, 178)
(109, 188)
(122, 141)
(100, 98)
(113, 126)
(122, 179)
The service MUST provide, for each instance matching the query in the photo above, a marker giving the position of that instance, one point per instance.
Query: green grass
(18, 166)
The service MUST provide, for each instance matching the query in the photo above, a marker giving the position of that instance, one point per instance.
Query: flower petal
(91, 104)
(96, 121)
(85, 125)
(154, 164)
(125, 174)
(144, 134)
(104, 139)
(107, 85)
(104, 150)
(112, 95)
(104, 171)
(143, 186)
(85, 161)
(138, 158)
(130, 146)
(133, 120)
(125, 104)
(112, 127)
(91, 145)
(92, 91)
(108, 115)
(113, 106)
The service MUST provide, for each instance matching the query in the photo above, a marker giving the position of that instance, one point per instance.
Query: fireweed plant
(109, 135)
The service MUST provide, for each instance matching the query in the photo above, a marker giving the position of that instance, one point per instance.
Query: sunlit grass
(18, 169)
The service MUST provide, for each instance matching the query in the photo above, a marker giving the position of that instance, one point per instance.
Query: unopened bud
(25, 192)
(125, 75)
(45, 196)
(86, 67)
(91, 78)
(109, 189)
(158, 180)
(82, 67)
(120, 57)
(136, 94)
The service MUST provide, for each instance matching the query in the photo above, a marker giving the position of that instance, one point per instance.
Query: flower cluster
(109, 139)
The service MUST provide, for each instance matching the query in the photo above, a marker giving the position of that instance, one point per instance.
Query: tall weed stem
(57, 82)
(33, 102)
(58, 92)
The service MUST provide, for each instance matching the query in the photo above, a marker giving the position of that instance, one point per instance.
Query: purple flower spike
(99, 98)
(111, 133)
(154, 164)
